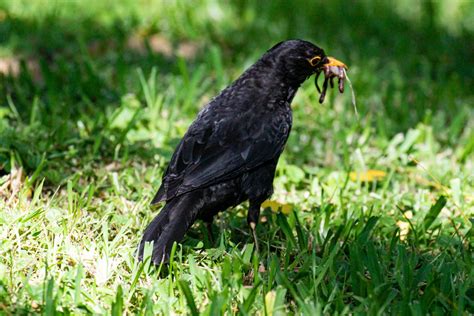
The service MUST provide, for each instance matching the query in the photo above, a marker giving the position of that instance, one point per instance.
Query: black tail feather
(169, 226)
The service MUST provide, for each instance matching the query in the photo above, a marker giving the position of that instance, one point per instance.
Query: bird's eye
(314, 61)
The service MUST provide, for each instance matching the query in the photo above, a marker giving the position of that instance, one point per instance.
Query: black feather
(229, 153)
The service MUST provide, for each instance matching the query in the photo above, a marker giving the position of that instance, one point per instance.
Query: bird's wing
(219, 146)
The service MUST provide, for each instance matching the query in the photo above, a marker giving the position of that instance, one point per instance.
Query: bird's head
(296, 60)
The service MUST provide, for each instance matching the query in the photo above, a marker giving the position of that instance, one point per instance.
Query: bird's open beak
(333, 62)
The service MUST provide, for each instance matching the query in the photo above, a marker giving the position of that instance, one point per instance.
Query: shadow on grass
(79, 70)
(64, 73)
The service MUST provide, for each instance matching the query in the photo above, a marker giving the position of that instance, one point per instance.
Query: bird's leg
(253, 228)
(252, 220)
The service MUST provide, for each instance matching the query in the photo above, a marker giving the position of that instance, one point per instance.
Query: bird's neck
(264, 85)
(283, 80)
(282, 88)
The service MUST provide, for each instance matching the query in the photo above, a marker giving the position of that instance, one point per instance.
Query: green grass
(99, 93)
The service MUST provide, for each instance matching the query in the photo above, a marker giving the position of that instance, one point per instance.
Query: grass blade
(434, 212)
(117, 305)
(189, 297)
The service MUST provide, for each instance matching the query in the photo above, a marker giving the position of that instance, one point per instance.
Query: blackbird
(230, 152)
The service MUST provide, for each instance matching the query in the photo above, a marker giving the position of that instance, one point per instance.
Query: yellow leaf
(404, 229)
(270, 302)
(370, 175)
(276, 206)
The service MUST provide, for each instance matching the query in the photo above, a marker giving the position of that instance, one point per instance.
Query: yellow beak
(336, 63)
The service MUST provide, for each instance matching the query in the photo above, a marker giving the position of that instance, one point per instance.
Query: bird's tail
(169, 226)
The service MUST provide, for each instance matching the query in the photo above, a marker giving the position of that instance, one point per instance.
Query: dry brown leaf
(188, 50)
(161, 45)
(10, 66)
(135, 42)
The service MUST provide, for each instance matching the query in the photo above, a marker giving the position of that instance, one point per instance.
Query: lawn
(372, 213)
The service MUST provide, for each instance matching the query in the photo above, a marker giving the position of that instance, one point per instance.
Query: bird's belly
(256, 185)
(221, 196)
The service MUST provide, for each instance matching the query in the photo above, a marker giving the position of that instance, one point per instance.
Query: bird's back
(244, 127)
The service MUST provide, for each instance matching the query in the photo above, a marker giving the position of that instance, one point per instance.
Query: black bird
(230, 152)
